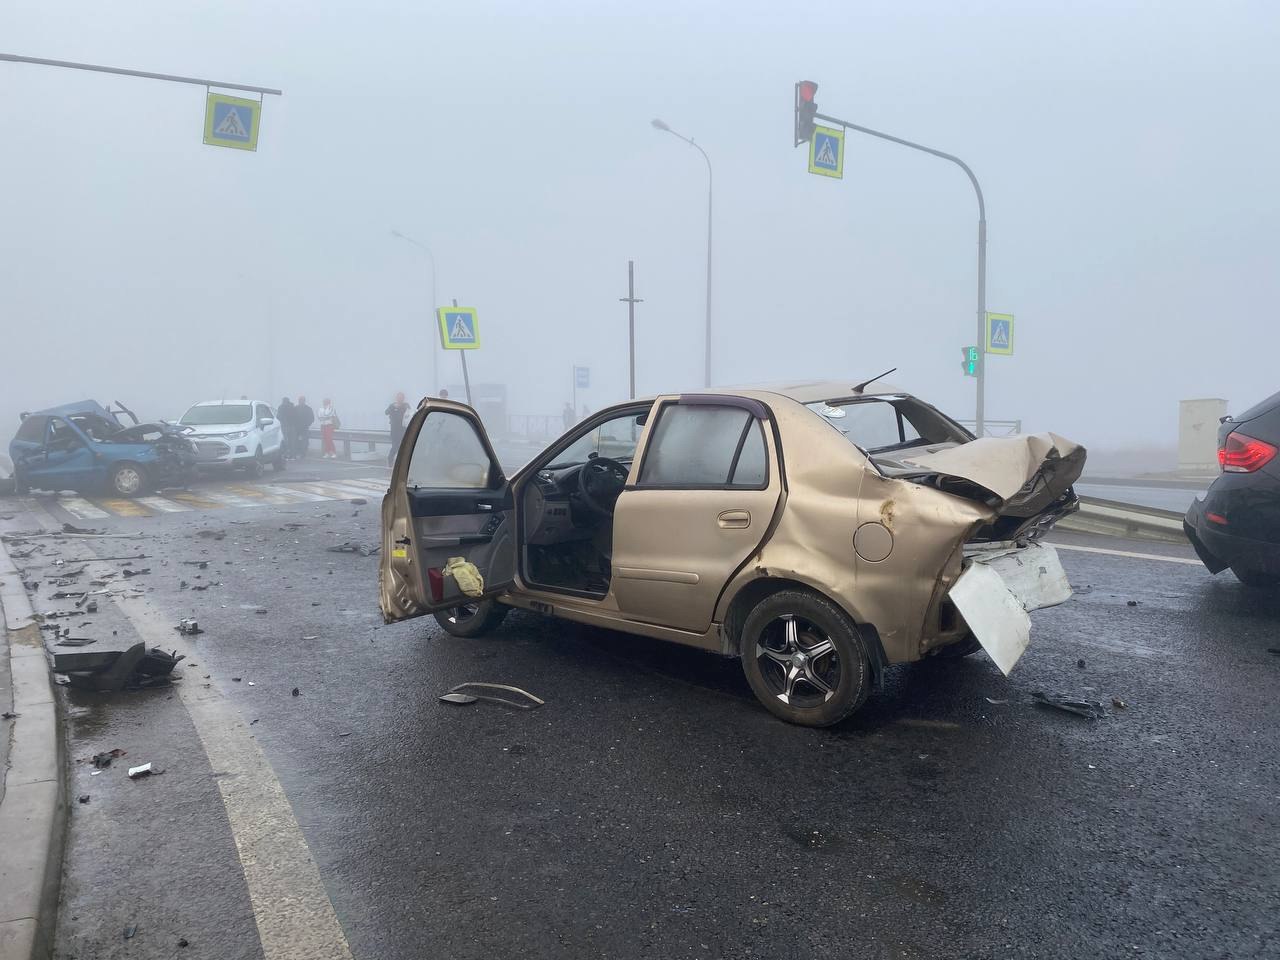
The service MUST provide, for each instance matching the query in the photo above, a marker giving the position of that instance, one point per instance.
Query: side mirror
(265, 422)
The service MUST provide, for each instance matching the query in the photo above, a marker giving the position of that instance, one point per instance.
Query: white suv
(243, 434)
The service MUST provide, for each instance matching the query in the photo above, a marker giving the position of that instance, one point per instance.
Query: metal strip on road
(295, 918)
(1125, 553)
(81, 508)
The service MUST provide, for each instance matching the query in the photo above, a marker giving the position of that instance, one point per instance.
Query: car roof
(804, 391)
(225, 403)
(80, 406)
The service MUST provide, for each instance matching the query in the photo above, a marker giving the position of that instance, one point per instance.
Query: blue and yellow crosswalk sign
(826, 152)
(1000, 333)
(231, 122)
(459, 328)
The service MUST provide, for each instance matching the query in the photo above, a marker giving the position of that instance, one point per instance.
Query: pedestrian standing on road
(303, 417)
(284, 413)
(329, 422)
(444, 394)
(395, 418)
(567, 416)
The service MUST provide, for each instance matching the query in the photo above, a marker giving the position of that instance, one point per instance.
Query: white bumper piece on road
(1000, 585)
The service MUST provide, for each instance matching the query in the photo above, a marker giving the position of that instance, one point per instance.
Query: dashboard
(554, 511)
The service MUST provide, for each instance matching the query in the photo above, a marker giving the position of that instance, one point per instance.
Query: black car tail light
(1244, 454)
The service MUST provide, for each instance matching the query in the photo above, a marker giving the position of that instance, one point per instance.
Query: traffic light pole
(980, 404)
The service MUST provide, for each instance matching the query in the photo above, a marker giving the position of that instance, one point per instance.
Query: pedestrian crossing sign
(459, 328)
(1000, 333)
(231, 122)
(826, 152)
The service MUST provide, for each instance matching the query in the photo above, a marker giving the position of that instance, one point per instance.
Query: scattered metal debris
(1080, 663)
(1118, 703)
(995, 703)
(1131, 603)
(103, 760)
(145, 770)
(188, 626)
(130, 930)
(456, 695)
(83, 798)
(126, 572)
(352, 547)
(359, 501)
(309, 636)
(110, 670)
(296, 692)
(9, 715)
(255, 607)
(72, 528)
(1089, 709)
(75, 642)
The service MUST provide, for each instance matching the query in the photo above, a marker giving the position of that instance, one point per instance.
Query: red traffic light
(806, 90)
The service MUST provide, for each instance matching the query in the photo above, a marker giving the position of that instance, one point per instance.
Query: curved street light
(662, 125)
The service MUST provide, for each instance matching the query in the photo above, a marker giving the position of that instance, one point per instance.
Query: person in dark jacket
(304, 417)
(284, 413)
(395, 418)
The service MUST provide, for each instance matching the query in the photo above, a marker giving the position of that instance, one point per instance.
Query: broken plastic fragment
(1089, 709)
(530, 702)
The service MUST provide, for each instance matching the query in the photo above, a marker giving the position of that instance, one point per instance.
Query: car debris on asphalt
(147, 769)
(1089, 709)
(103, 760)
(352, 547)
(188, 626)
(466, 693)
(109, 671)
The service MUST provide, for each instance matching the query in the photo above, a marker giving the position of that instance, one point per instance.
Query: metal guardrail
(994, 428)
(1115, 519)
(347, 437)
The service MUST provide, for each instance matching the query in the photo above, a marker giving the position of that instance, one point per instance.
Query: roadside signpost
(826, 152)
(460, 330)
(581, 381)
(999, 337)
(231, 121)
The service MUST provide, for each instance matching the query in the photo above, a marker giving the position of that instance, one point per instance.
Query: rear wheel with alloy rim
(804, 659)
(473, 618)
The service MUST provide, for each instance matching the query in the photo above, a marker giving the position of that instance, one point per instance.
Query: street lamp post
(435, 349)
(706, 366)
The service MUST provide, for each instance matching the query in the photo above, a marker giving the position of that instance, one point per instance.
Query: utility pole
(631, 300)
(806, 113)
(435, 349)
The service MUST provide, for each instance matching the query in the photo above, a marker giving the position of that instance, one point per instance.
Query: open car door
(448, 501)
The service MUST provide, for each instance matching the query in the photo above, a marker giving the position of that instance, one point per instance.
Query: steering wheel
(600, 481)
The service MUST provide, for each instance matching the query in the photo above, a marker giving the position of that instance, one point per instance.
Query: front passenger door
(448, 498)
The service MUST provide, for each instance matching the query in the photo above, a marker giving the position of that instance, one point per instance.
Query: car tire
(127, 480)
(253, 468)
(277, 462)
(1257, 579)
(20, 485)
(8, 486)
(826, 687)
(473, 619)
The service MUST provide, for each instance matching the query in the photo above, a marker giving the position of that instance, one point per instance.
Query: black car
(1237, 524)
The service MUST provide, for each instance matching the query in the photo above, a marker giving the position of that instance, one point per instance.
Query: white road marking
(1125, 553)
(81, 508)
(228, 499)
(163, 504)
(332, 491)
(294, 494)
(294, 915)
(377, 486)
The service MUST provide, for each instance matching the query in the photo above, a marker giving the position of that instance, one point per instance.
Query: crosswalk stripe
(192, 500)
(222, 498)
(266, 493)
(81, 508)
(164, 504)
(295, 495)
(351, 490)
(124, 508)
(377, 486)
(331, 491)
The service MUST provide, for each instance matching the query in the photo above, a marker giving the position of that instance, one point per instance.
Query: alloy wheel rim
(798, 661)
(128, 481)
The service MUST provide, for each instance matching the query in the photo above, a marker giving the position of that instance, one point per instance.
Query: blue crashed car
(84, 447)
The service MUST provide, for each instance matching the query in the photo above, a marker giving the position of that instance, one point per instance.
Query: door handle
(734, 519)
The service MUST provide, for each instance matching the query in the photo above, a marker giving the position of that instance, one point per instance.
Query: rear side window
(448, 454)
(32, 429)
(705, 446)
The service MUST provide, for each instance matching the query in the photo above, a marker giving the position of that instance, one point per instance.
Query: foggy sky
(1128, 152)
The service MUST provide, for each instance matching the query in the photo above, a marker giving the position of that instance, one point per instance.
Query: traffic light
(806, 109)
(970, 362)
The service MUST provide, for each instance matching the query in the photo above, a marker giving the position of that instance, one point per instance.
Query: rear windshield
(877, 424)
(218, 413)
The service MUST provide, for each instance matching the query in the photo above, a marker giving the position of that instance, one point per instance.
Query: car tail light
(1242, 454)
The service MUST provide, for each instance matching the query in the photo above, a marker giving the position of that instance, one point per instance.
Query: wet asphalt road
(652, 808)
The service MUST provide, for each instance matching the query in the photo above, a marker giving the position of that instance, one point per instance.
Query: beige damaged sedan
(815, 531)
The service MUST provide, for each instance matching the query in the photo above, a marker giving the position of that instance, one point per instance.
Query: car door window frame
(757, 415)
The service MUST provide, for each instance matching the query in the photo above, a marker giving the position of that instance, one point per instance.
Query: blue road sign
(231, 122)
(459, 328)
(582, 377)
(826, 152)
(1000, 333)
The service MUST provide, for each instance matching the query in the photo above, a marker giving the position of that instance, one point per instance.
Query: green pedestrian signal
(970, 362)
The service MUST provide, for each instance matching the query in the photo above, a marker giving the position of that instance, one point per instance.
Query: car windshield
(218, 413)
(615, 439)
(886, 423)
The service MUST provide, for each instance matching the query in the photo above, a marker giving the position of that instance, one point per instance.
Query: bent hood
(1020, 476)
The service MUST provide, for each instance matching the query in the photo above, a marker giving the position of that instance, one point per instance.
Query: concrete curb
(33, 808)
